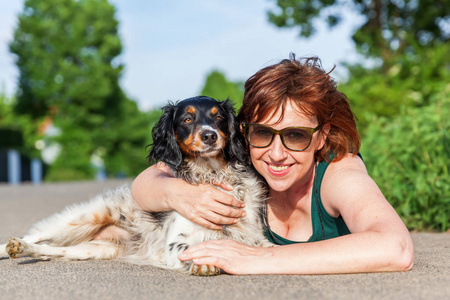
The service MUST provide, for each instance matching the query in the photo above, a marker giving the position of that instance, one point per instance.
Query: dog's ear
(235, 150)
(165, 146)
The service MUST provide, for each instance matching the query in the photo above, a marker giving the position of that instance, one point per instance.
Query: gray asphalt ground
(27, 278)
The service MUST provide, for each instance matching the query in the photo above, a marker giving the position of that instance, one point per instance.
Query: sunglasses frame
(245, 127)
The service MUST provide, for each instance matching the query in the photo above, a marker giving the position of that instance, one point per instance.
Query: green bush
(409, 80)
(409, 158)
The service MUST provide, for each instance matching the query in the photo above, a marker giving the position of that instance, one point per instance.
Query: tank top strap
(317, 211)
(324, 225)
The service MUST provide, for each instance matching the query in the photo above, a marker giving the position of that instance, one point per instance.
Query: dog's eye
(219, 118)
(187, 120)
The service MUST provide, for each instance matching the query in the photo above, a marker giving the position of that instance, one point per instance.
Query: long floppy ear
(165, 147)
(235, 149)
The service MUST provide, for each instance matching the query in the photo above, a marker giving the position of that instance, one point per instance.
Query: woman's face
(281, 167)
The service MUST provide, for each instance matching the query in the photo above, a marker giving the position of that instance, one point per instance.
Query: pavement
(27, 278)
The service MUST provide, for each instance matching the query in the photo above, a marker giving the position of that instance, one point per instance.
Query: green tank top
(324, 226)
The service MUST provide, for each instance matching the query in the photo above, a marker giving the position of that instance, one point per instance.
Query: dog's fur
(199, 139)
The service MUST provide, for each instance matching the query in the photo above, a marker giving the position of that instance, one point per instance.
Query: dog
(200, 140)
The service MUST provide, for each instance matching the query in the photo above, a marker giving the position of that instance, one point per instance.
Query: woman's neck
(295, 196)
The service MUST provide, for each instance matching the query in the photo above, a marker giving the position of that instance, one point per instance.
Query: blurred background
(82, 82)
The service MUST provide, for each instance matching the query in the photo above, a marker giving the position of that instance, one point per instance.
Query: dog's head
(197, 127)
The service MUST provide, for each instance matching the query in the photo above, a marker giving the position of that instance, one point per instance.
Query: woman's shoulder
(341, 180)
(348, 164)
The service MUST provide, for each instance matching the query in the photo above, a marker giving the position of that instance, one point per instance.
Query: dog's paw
(172, 252)
(204, 270)
(17, 248)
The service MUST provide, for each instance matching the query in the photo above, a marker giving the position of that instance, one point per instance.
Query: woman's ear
(323, 134)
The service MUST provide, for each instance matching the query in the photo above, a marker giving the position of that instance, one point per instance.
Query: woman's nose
(277, 149)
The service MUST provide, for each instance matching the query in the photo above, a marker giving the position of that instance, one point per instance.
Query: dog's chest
(203, 171)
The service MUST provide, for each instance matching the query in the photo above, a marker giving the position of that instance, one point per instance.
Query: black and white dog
(200, 140)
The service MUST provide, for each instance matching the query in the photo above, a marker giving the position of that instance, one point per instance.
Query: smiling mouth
(278, 168)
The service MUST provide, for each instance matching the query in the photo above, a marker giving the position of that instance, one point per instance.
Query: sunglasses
(293, 138)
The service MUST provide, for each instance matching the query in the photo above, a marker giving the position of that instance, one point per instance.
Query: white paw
(17, 248)
(172, 252)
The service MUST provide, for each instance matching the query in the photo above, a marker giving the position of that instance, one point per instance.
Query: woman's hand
(207, 206)
(231, 256)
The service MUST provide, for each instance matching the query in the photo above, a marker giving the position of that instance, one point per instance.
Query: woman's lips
(279, 170)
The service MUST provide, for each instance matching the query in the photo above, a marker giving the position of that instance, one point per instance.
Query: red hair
(305, 83)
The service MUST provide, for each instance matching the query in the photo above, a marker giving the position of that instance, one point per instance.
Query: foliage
(391, 27)
(408, 156)
(218, 87)
(410, 81)
(74, 161)
(65, 51)
(22, 124)
(67, 58)
(129, 136)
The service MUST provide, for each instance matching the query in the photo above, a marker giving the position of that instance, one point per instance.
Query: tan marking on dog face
(191, 110)
(198, 144)
(186, 146)
(214, 110)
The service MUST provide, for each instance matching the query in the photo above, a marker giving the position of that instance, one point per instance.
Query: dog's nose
(208, 137)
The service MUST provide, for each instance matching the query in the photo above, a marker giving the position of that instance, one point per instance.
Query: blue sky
(170, 46)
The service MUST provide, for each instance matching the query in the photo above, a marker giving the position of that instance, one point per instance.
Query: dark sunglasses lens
(259, 136)
(296, 138)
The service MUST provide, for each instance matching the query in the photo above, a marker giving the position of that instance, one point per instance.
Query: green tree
(67, 58)
(128, 139)
(65, 54)
(407, 40)
(218, 87)
(391, 27)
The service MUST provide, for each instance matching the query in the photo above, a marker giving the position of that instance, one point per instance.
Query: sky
(170, 46)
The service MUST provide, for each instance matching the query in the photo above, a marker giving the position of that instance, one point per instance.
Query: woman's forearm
(151, 189)
(354, 253)
(369, 251)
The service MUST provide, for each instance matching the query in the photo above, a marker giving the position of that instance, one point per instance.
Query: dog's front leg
(3, 251)
(181, 235)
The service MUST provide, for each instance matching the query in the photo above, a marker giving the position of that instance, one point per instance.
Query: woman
(323, 208)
